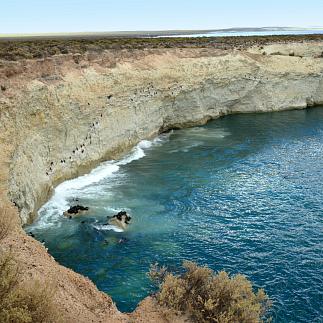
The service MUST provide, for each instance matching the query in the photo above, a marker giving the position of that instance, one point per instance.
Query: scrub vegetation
(207, 296)
(39, 48)
(6, 222)
(21, 302)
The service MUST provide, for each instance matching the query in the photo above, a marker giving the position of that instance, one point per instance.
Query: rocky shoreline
(62, 115)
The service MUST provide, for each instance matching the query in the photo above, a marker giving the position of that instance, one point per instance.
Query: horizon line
(53, 33)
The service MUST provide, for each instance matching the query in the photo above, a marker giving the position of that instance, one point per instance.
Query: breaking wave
(69, 191)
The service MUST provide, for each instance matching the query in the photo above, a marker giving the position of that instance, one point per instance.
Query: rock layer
(62, 115)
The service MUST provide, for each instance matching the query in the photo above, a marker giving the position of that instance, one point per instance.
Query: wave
(69, 191)
(104, 227)
(137, 153)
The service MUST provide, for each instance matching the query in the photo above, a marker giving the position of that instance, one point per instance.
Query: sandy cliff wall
(62, 115)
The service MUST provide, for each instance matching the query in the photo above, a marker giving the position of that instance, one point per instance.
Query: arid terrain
(41, 47)
(66, 105)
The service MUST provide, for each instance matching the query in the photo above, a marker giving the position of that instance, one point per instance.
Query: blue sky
(25, 16)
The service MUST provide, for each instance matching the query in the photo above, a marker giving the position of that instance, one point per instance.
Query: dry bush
(23, 303)
(157, 274)
(210, 297)
(6, 221)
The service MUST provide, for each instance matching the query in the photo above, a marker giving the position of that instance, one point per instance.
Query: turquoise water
(243, 193)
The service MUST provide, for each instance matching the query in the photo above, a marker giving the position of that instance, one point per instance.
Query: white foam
(207, 133)
(138, 152)
(108, 227)
(50, 213)
(221, 133)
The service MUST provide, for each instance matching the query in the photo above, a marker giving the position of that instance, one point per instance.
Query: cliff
(62, 115)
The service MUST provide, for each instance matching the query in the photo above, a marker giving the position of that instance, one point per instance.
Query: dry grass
(210, 297)
(23, 303)
(6, 221)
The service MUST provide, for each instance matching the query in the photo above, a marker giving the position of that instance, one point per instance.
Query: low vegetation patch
(6, 222)
(41, 47)
(21, 302)
(208, 296)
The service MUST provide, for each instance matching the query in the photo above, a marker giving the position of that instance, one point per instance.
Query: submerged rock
(123, 240)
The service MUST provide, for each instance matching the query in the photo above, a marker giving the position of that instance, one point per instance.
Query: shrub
(23, 303)
(210, 297)
(39, 48)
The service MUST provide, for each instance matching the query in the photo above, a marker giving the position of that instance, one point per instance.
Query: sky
(37, 16)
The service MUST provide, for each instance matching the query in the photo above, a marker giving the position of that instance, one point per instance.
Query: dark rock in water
(122, 214)
(121, 220)
(31, 234)
(75, 210)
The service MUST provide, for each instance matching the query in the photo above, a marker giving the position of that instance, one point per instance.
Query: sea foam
(51, 212)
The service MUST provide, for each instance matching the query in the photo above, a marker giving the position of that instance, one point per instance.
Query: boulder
(75, 211)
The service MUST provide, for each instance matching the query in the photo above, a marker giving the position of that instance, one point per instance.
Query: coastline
(105, 103)
(119, 154)
(162, 209)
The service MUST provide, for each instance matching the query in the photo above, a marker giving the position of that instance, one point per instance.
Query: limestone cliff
(62, 115)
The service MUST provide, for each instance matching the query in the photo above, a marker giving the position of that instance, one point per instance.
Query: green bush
(210, 297)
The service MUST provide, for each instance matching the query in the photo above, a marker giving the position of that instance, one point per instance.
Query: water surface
(243, 193)
(263, 32)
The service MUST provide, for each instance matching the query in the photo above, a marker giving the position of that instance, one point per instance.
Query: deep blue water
(243, 193)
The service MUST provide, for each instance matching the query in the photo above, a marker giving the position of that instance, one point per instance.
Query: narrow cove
(242, 193)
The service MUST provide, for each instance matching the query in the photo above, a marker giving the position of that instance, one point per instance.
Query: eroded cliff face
(62, 115)
(67, 113)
